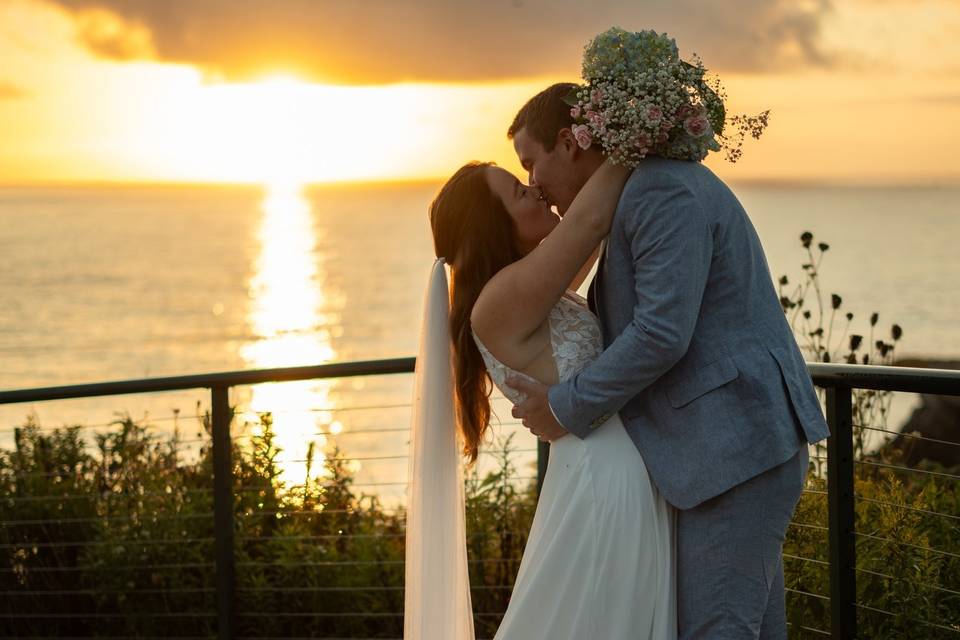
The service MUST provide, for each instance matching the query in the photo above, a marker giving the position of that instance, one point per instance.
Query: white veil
(437, 602)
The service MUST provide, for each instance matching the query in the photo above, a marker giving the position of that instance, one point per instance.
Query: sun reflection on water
(287, 317)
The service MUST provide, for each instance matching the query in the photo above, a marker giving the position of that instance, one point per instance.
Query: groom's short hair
(545, 114)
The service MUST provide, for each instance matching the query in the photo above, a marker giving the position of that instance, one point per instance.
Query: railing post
(543, 455)
(223, 511)
(843, 560)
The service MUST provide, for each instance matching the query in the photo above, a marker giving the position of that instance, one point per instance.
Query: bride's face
(532, 217)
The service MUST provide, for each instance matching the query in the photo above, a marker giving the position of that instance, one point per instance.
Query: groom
(699, 362)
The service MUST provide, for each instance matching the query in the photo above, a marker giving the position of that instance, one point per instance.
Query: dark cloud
(446, 40)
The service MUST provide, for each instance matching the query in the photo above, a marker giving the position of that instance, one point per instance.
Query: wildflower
(873, 319)
(835, 301)
(806, 239)
(896, 332)
(855, 342)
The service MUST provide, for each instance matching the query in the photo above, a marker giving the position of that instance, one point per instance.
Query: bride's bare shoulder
(494, 317)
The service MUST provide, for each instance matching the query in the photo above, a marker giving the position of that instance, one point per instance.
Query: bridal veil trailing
(437, 602)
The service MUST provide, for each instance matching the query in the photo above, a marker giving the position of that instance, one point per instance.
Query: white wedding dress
(599, 561)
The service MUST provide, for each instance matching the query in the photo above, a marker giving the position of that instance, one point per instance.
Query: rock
(937, 417)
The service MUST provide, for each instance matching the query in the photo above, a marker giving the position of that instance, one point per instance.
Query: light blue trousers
(729, 564)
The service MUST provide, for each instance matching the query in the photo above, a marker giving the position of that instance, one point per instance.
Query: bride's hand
(534, 412)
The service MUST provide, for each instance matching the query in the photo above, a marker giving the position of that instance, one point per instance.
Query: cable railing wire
(907, 435)
(940, 474)
(938, 552)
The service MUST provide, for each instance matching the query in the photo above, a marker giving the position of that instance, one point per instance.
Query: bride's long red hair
(474, 233)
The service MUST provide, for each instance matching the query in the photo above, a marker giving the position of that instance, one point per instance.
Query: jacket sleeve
(671, 247)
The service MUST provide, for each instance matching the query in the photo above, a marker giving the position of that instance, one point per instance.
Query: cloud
(380, 41)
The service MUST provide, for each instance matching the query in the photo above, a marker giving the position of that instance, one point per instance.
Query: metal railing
(838, 380)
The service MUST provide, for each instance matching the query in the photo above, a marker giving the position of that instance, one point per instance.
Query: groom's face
(553, 171)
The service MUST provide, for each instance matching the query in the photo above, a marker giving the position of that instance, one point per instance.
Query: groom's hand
(534, 412)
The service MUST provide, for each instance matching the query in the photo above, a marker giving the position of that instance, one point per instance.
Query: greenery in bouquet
(640, 98)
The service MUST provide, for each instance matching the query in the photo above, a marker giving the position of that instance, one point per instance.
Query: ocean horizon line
(947, 182)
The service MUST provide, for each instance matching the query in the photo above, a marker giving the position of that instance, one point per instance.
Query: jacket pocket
(703, 380)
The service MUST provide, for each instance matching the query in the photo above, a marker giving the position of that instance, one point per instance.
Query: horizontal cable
(358, 563)
(811, 629)
(144, 614)
(803, 525)
(906, 507)
(99, 543)
(100, 592)
(93, 567)
(916, 582)
(807, 593)
(188, 516)
(908, 435)
(792, 557)
(343, 614)
(119, 637)
(488, 452)
(907, 469)
(104, 496)
(354, 589)
(385, 512)
(895, 615)
(907, 544)
(815, 492)
(334, 536)
(103, 425)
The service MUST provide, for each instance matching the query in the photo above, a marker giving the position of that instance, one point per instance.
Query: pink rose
(654, 113)
(643, 142)
(685, 112)
(582, 135)
(697, 126)
(575, 112)
(598, 120)
(596, 96)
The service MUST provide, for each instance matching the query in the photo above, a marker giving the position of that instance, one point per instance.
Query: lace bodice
(575, 340)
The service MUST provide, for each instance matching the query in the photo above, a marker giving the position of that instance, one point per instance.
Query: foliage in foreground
(119, 541)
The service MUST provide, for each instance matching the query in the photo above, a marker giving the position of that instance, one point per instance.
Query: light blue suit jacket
(699, 360)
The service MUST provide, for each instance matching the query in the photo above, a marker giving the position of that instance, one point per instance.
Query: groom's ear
(567, 143)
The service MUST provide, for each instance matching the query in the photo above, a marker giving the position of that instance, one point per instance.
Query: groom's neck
(587, 164)
(590, 161)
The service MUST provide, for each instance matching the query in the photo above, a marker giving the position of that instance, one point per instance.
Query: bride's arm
(516, 300)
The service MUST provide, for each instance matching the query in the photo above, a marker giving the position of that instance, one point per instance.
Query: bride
(599, 560)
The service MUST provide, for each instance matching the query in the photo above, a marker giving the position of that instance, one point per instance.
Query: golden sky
(294, 91)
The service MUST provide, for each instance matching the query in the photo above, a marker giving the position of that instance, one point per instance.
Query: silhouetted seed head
(884, 349)
(849, 316)
(806, 314)
(866, 358)
(896, 332)
(855, 342)
(835, 300)
(784, 281)
(823, 246)
(806, 238)
(878, 344)
(826, 357)
(873, 318)
(851, 359)
(786, 303)
(817, 332)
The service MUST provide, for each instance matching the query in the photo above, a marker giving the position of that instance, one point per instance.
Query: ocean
(105, 283)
